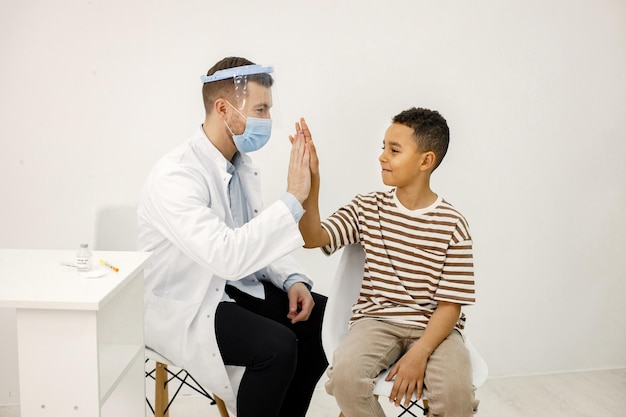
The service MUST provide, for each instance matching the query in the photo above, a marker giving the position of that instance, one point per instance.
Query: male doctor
(219, 289)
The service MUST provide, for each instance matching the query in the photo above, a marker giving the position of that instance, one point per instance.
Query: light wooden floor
(579, 394)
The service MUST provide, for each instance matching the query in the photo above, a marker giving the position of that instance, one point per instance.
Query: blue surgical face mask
(255, 135)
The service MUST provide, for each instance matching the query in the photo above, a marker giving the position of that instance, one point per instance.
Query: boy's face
(400, 160)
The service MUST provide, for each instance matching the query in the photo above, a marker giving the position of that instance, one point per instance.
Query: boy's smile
(400, 159)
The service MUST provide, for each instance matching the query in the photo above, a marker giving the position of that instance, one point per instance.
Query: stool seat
(157, 357)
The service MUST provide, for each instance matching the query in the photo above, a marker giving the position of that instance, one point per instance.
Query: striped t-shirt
(413, 258)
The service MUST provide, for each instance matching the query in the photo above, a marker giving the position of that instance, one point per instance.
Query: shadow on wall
(116, 228)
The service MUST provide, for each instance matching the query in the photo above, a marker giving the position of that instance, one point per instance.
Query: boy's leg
(448, 380)
(369, 347)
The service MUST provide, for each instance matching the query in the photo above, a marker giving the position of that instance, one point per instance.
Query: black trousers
(283, 361)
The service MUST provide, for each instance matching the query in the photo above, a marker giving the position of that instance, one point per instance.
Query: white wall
(93, 92)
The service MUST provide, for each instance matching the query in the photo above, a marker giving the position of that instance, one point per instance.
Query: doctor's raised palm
(299, 175)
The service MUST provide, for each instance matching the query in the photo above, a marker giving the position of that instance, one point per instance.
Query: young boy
(418, 273)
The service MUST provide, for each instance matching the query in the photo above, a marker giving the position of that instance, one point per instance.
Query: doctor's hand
(300, 302)
(303, 127)
(299, 175)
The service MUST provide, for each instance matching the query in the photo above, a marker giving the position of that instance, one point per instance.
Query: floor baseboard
(10, 410)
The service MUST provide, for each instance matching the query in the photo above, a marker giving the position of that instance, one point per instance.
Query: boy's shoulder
(375, 195)
(373, 200)
(447, 209)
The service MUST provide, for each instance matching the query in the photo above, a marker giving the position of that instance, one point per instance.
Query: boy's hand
(410, 369)
(409, 373)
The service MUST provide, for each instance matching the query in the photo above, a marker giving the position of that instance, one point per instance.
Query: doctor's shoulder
(178, 166)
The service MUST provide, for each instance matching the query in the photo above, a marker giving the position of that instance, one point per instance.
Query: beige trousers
(372, 346)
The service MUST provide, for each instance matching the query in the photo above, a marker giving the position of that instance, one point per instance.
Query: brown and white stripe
(413, 258)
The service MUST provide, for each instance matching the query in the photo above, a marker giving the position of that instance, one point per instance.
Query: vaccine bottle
(83, 258)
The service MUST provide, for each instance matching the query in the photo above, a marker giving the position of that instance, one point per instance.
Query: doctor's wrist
(294, 206)
(290, 282)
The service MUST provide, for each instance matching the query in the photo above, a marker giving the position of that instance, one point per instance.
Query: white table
(80, 340)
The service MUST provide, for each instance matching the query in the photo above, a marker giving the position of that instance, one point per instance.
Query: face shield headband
(236, 72)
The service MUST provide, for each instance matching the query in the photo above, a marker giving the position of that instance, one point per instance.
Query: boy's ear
(428, 161)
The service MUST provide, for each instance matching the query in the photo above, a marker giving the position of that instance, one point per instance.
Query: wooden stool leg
(161, 394)
(221, 406)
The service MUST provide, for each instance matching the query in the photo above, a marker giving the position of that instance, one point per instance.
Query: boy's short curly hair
(226, 88)
(430, 130)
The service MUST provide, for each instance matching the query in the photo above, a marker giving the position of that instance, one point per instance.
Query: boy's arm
(410, 368)
(311, 229)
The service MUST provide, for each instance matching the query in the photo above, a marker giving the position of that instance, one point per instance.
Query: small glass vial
(83, 258)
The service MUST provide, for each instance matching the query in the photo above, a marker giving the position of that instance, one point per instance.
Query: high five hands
(303, 162)
(303, 128)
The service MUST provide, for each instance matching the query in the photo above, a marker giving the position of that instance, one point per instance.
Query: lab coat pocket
(167, 325)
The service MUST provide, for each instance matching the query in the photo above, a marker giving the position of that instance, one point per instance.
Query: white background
(93, 92)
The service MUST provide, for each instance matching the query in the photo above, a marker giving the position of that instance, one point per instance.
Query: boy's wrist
(421, 348)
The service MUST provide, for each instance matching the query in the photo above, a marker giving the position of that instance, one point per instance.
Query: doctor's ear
(220, 107)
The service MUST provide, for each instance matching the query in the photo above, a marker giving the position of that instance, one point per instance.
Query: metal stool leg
(162, 400)
(406, 410)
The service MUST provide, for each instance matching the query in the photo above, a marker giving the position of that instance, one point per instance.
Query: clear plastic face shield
(252, 100)
(252, 83)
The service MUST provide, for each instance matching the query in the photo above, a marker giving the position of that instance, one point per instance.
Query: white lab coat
(184, 219)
